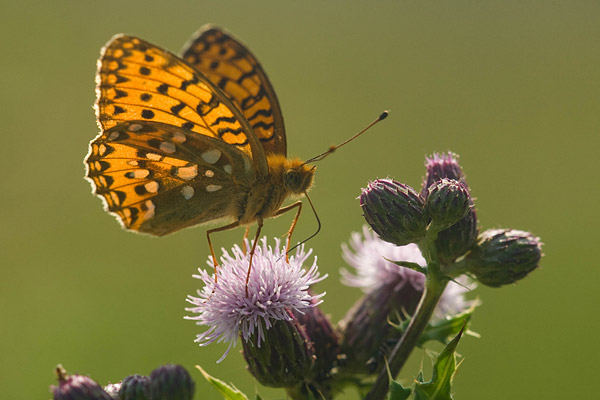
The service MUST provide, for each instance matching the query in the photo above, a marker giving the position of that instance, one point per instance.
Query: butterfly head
(298, 176)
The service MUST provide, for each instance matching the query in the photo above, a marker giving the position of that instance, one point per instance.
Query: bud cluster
(444, 210)
(167, 382)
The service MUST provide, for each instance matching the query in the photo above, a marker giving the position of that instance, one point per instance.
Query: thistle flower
(440, 166)
(369, 256)
(391, 293)
(275, 288)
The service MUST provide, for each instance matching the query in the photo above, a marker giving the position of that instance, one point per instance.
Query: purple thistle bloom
(368, 256)
(275, 288)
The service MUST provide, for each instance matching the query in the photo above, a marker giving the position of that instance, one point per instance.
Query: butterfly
(191, 140)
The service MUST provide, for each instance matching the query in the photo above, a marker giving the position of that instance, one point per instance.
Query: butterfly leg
(298, 205)
(212, 252)
(259, 222)
(245, 238)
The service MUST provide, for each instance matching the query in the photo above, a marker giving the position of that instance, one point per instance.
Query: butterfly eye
(293, 180)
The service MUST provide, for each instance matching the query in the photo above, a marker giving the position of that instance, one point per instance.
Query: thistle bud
(394, 211)
(324, 340)
(285, 356)
(459, 238)
(504, 256)
(441, 166)
(171, 382)
(366, 328)
(77, 387)
(135, 387)
(447, 202)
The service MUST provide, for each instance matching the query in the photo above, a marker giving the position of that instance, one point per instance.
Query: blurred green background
(512, 86)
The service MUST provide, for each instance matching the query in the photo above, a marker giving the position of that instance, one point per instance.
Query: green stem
(434, 287)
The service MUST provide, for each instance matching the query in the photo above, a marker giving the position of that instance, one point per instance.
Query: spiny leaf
(398, 392)
(410, 265)
(439, 387)
(443, 330)
(229, 392)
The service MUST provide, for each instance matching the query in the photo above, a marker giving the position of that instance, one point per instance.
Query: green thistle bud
(459, 238)
(77, 387)
(285, 356)
(441, 166)
(324, 338)
(504, 256)
(135, 387)
(366, 329)
(171, 382)
(447, 202)
(394, 211)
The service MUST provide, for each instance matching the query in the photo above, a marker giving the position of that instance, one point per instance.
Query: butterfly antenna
(331, 149)
(318, 226)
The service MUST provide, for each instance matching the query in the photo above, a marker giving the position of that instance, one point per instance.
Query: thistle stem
(435, 284)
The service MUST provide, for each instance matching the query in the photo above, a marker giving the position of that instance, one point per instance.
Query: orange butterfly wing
(174, 150)
(235, 70)
(139, 81)
(158, 179)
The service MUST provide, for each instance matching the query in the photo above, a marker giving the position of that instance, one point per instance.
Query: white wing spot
(209, 173)
(137, 174)
(213, 188)
(135, 127)
(151, 187)
(113, 135)
(153, 156)
(187, 173)
(227, 168)
(168, 147)
(211, 156)
(101, 149)
(187, 192)
(115, 198)
(179, 137)
(149, 210)
(133, 163)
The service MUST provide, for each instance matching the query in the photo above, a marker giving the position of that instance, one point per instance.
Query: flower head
(369, 257)
(275, 288)
(394, 210)
(504, 256)
(441, 166)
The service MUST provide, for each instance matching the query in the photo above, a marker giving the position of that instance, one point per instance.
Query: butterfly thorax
(287, 178)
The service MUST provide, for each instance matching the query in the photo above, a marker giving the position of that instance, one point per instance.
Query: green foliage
(410, 265)
(229, 392)
(443, 330)
(398, 392)
(439, 387)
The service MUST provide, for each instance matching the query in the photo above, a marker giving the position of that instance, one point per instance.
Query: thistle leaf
(229, 392)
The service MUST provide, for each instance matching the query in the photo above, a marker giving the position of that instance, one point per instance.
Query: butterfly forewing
(139, 81)
(234, 69)
(157, 178)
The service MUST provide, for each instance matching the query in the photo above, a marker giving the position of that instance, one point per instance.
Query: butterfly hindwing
(234, 69)
(139, 81)
(157, 178)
